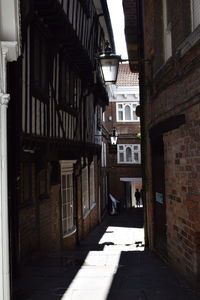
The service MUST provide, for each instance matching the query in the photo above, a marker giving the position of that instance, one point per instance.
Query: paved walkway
(110, 264)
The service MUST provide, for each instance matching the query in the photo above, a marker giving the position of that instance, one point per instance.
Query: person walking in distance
(137, 197)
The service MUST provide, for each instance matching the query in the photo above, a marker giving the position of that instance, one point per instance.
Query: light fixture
(114, 136)
(109, 64)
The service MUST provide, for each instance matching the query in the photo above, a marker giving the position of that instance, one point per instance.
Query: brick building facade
(170, 111)
(124, 161)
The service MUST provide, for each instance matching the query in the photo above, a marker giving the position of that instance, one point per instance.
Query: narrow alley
(111, 263)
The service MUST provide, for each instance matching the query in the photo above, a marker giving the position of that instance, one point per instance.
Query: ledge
(71, 232)
(189, 42)
(89, 210)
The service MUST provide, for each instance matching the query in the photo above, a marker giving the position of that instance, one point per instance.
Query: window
(128, 154)
(69, 86)
(40, 65)
(92, 184)
(195, 10)
(85, 193)
(67, 203)
(126, 112)
(103, 155)
(167, 38)
(67, 197)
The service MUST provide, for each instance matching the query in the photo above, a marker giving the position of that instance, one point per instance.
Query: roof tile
(126, 77)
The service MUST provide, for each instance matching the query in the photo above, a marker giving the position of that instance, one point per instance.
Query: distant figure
(137, 197)
(114, 202)
(141, 193)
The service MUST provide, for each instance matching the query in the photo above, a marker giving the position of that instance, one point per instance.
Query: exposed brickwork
(55, 217)
(28, 234)
(183, 192)
(172, 88)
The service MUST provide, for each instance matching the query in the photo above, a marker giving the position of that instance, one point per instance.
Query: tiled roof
(126, 77)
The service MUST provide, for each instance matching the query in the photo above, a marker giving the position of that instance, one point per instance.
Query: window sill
(128, 163)
(87, 212)
(93, 205)
(128, 121)
(189, 42)
(69, 233)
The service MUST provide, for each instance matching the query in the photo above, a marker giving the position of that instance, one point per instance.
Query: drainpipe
(4, 227)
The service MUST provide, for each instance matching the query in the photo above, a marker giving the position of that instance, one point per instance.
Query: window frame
(132, 106)
(69, 86)
(167, 35)
(40, 64)
(85, 191)
(193, 21)
(92, 184)
(68, 224)
(123, 151)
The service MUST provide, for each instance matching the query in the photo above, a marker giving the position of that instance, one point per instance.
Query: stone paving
(110, 264)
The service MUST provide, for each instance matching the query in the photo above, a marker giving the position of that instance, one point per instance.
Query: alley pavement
(110, 264)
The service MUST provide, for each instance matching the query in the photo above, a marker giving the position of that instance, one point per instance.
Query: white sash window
(67, 197)
(126, 112)
(128, 154)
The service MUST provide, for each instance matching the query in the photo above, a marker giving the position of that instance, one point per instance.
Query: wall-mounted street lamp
(109, 64)
(114, 136)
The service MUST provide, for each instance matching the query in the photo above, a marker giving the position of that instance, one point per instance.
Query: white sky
(117, 20)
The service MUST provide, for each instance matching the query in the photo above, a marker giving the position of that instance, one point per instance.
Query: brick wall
(28, 239)
(173, 88)
(182, 161)
(122, 127)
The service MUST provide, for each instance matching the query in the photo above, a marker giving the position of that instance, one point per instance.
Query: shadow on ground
(102, 267)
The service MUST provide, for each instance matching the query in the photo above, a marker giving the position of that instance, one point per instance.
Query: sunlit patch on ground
(96, 275)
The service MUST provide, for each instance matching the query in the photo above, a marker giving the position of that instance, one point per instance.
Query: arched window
(127, 112)
(128, 154)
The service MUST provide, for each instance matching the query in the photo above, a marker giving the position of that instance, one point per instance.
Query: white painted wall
(9, 51)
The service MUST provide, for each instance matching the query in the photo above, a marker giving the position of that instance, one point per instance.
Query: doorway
(130, 186)
(159, 204)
